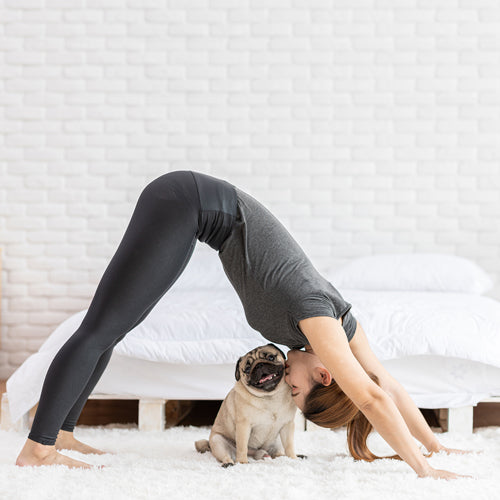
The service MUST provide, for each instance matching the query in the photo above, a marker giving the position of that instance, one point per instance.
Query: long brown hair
(328, 406)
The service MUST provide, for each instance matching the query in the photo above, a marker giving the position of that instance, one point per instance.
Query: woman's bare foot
(36, 454)
(66, 441)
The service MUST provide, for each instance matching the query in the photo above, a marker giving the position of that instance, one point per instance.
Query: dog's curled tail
(202, 445)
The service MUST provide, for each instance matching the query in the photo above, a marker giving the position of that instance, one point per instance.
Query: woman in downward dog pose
(336, 381)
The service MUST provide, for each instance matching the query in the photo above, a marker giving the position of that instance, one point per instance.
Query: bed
(425, 315)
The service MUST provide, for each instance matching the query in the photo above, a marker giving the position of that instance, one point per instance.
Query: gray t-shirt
(276, 282)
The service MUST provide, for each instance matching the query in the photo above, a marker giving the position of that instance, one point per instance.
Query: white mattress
(431, 381)
(443, 347)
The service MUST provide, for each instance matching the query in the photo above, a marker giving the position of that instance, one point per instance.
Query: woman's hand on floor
(449, 451)
(442, 474)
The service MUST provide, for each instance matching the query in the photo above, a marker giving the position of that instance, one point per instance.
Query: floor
(158, 465)
(199, 413)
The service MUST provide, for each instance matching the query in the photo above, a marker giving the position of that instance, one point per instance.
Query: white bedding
(206, 326)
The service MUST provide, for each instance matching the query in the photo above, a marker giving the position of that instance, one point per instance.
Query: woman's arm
(416, 421)
(329, 342)
(412, 415)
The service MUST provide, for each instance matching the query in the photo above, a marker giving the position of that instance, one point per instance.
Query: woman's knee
(97, 335)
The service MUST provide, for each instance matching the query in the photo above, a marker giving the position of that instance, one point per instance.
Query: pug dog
(257, 416)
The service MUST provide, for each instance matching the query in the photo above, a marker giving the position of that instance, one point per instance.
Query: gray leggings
(172, 213)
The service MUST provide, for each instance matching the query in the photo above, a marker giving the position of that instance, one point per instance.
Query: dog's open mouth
(266, 376)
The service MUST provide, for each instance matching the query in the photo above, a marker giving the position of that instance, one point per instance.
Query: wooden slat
(485, 414)
(112, 396)
(492, 399)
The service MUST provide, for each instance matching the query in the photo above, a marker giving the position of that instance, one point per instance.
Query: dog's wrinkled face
(262, 369)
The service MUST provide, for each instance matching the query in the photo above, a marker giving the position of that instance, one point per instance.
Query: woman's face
(304, 370)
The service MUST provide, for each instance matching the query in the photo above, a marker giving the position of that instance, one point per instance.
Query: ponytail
(328, 406)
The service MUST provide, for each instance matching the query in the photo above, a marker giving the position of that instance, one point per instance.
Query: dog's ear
(276, 347)
(237, 372)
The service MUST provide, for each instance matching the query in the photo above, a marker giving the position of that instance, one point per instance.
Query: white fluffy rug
(166, 465)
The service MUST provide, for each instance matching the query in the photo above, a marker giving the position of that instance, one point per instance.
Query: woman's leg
(155, 248)
(65, 438)
(73, 415)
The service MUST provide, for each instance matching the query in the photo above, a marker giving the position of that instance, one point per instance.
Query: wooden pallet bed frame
(152, 416)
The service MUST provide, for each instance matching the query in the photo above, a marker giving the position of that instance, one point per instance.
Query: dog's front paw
(301, 456)
(227, 464)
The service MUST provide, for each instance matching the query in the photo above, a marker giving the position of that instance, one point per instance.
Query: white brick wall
(366, 126)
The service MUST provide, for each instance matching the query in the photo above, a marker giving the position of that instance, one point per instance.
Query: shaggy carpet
(166, 465)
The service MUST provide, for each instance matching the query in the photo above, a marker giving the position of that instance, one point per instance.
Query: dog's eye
(271, 357)
(247, 369)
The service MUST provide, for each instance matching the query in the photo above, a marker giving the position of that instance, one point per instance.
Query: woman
(284, 298)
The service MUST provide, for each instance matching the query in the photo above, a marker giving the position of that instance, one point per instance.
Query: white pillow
(412, 272)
